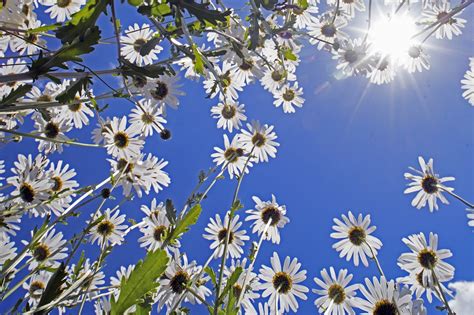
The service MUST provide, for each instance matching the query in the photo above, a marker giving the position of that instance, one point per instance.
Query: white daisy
(133, 41)
(30, 43)
(326, 29)
(232, 157)
(438, 12)
(263, 309)
(290, 97)
(7, 250)
(382, 297)
(122, 141)
(78, 113)
(36, 286)
(251, 285)
(110, 230)
(349, 6)
(121, 274)
(282, 283)
(61, 10)
(427, 259)
(218, 232)
(352, 57)
(49, 93)
(336, 297)
(260, 139)
(247, 70)
(147, 117)
(383, 71)
(415, 59)
(228, 80)
(63, 184)
(355, 238)
(47, 251)
(468, 83)
(274, 79)
(12, 67)
(9, 224)
(163, 90)
(276, 53)
(178, 275)
(305, 17)
(428, 185)
(261, 215)
(230, 115)
(98, 134)
(155, 229)
(415, 283)
(83, 277)
(54, 128)
(154, 209)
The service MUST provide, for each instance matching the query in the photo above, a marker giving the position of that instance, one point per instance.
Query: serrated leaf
(151, 71)
(170, 211)
(82, 21)
(202, 12)
(44, 28)
(149, 46)
(53, 288)
(230, 282)
(75, 87)
(183, 225)
(198, 63)
(212, 275)
(141, 281)
(15, 94)
(68, 52)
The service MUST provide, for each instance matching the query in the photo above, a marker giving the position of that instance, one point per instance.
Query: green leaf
(21, 91)
(149, 46)
(254, 31)
(68, 52)
(53, 288)
(142, 280)
(82, 21)
(198, 63)
(44, 28)
(190, 218)
(303, 4)
(201, 11)
(135, 3)
(75, 87)
(267, 4)
(288, 54)
(170, 211)
(160, 10)
(212, 275)
(230, 282)
(151, 71)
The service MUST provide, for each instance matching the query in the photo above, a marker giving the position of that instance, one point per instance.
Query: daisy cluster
(227, 50)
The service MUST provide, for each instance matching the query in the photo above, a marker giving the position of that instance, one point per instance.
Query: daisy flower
(336, 297)
(260, 141)
(290, 97)
(218, 232)
(36, 286)
(232, 157)
(274, 79)
(134, 40)
(83, 277)
(468, 83)
(121, 274)
(305, 17)
(229, 82)
(326, 30)
(355, 237)
(9, 224)
(439, 12)
(349, 6)
(155, 229)
(178, 275)
(282, 283)
(31, 42)
(415, 59)
(63, 182)
(110, 230)
(352, 57)
(48, 250)
(427, 185)
(98, 134)
(263, 309)
(415, 283)
(230, 115)
(276, 53)
(163, 90)
(247, 70)
(427, 259)
(54, 129)
(251, 285)
(7, 250)
(78, 113)
(61, 10)
(12, 67)
(49, 93)
(382, 297)
(261, 215)
(122, 141)
(148, 117)
(154, 209)
(383, 71)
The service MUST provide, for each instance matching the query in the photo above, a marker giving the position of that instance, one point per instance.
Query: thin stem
(227, 236)
(374, 257)
(464, 201)
(441, 291)
(197, 296)
(29, 135)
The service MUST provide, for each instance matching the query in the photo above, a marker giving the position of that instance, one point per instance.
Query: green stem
(29, 135)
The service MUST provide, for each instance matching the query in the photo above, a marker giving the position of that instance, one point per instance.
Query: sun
(393, 36)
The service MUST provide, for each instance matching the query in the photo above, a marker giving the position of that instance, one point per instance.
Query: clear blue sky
(346, 149)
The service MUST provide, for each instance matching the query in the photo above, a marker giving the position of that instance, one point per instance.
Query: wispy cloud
(463, 301)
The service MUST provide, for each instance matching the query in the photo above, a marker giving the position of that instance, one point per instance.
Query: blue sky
(346, 149)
